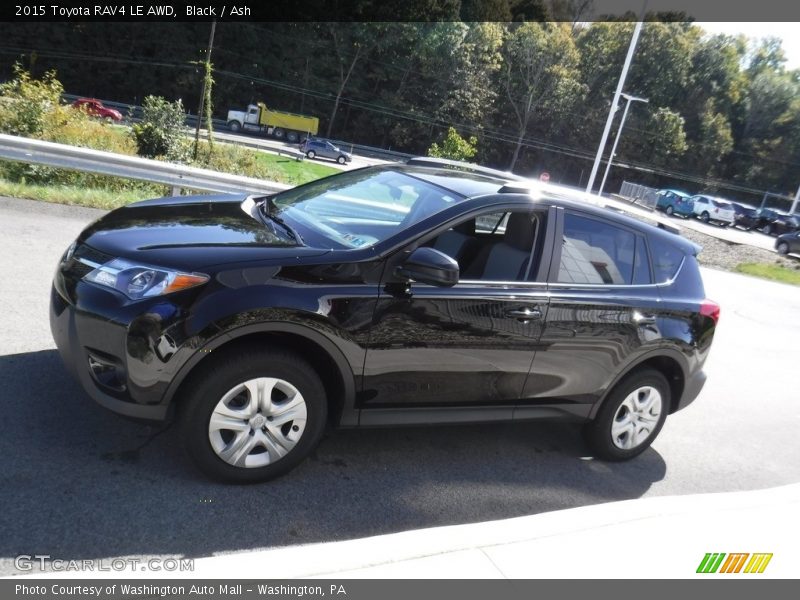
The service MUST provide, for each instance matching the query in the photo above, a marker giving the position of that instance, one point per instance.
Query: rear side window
(667, 260)
(596, 252)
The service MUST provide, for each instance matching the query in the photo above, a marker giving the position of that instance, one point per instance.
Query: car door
(602, 307)
(446, 351)
(330, 151)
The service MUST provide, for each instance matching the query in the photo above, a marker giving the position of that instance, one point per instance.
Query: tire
(292, 137)
(341, 160)
(311, 154)
(235, 126)
(705, 217)
(767, 229)
(609, 442)
(783, 248)
(224, 388)
(278, 133)
(670, 210)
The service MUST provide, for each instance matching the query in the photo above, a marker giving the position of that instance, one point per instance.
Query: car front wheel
(253, 416)
(767, 229)
(631, 417)
(783, 248)
(670, 210)
(341, 160)
(311, 154)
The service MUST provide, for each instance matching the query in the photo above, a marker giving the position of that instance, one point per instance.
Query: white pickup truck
(708, 208)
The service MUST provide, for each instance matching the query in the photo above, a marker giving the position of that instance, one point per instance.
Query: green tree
(454, 146)
(25, 102)
(539, 74)
(161, 132)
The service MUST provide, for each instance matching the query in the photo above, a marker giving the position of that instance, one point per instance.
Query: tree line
(723, 113)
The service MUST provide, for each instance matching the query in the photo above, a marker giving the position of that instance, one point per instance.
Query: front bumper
(82, 339)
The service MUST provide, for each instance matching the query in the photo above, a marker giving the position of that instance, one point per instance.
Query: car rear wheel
(341, 160)
(767, 229)
(279, 133)
(253, 415)
(783, 248)
(670, 210)
(311, 154)
(292, 137)
(705, 217)
(631, 417)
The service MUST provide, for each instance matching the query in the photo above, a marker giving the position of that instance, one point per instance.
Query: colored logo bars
(713, 563)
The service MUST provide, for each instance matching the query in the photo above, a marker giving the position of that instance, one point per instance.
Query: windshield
(721, 204)
(361, 208)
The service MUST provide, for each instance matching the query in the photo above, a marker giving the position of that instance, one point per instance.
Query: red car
(95, 108)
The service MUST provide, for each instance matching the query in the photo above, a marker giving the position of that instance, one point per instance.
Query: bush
(25, 103)
(161, 132)
(454, 147)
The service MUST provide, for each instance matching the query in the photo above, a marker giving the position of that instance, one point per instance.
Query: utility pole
(795, 202)
(205, 83)
(628, 99)
(637, 30)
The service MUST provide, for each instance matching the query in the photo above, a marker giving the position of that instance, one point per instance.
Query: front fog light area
(106, 370)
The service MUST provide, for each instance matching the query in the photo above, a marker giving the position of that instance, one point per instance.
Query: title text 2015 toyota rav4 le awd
(401, 294)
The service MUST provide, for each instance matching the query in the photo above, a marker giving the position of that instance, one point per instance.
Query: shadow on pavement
(78, 482)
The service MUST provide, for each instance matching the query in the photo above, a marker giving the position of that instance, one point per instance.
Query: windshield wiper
(268, 208)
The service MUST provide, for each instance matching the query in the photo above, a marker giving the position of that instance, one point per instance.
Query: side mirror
(428, 265)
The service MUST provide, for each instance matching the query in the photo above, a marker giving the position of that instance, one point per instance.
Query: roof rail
(444, 163)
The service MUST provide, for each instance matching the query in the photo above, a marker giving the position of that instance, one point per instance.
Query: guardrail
(174, 175)
(639, 194)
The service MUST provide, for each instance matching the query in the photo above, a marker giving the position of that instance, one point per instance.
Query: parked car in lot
(95, 108)
(314, 148)
(781, 223)
(674, 202)
(746, 216)
(788, 242)
(710, 209)
(766, 216)
(419, 293)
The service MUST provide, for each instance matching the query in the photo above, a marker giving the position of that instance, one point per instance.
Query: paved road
(77, 482)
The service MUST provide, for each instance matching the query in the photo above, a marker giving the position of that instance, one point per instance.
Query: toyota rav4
(419, 293)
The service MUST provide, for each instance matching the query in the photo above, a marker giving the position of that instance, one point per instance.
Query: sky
(787, 31)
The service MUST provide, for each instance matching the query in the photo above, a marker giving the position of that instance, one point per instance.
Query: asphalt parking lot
(79, 482)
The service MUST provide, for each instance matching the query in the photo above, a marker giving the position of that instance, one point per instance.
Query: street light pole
(795, 202)
(637, 30)
(628, 99)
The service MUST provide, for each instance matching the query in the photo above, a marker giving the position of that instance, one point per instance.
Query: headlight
(138, 281)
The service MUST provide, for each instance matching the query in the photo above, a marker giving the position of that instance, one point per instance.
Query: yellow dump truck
(281, 125)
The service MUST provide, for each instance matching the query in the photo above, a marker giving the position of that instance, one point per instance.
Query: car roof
(678, 192)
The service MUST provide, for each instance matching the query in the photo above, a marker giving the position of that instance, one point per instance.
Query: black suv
(426, 292)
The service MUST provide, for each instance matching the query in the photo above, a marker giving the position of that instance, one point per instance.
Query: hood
(191, 233)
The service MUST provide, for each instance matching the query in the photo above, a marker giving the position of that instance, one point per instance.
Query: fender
(655, 353)
(349, 413)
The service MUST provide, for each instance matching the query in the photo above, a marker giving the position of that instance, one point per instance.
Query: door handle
(524, 314)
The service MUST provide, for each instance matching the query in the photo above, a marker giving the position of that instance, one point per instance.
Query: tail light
(709, 308)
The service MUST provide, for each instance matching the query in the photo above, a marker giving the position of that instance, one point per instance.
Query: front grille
(74, 267)
(88, 253)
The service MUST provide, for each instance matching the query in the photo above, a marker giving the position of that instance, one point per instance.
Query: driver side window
(493, 247)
